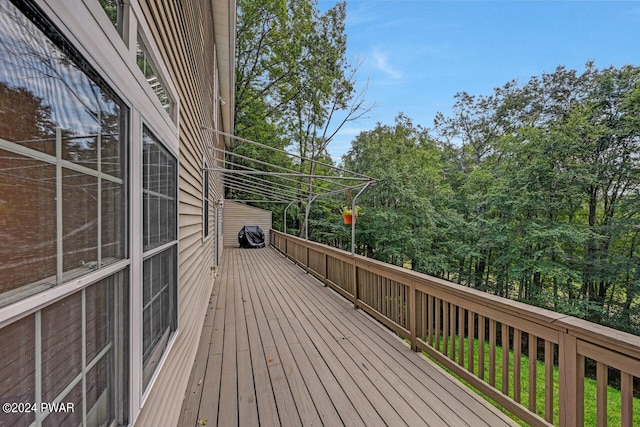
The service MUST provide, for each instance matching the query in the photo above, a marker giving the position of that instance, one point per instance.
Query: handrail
(465, 330)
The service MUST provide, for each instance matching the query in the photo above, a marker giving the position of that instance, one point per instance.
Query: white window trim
(136, 361)
(144, 32)
(29, 305)
(159, 369)
(163, 130)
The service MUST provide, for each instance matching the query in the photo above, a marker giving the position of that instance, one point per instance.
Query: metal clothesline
(286, 185)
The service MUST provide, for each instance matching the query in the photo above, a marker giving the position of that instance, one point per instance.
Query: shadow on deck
(278, 348)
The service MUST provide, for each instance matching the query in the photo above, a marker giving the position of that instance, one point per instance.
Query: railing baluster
(470, 340)
(378, 305)
(461, 336)
(445, 327)
(517, 361)
(430, 318)
(398, 302)
(492, 352)
(452, 330)
(382, 294)
(412, 313)
(371, 280)
(387, 296)
(481, 335)
(548, 381)
(393, 300)
(533, 364)
(602, 381)
(438, 310)
(408, 307)
(504, 330)
(326, 268)
(424, 316)
(402, 289)
(390, 302)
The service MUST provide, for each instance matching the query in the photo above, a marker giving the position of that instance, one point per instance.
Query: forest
(531, 192)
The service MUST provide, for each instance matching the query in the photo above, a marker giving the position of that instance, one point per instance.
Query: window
(206, 203)
(160, 246)
(159, 190)
(150, 73)
(82, 345)
(62, 160)
(63, 193)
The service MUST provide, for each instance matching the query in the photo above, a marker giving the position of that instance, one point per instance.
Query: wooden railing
(467, 330)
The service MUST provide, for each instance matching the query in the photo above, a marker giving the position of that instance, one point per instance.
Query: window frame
(160, 347)
(38, 291)
(147, 48)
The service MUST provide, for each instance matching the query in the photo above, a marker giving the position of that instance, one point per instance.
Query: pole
(353, 222)
(285, 217)
(306, 217)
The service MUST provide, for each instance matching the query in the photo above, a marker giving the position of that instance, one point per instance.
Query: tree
(541, 173)
(294, 85)
(402, 215)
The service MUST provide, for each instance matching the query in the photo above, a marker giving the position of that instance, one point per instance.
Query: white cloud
(382, 63)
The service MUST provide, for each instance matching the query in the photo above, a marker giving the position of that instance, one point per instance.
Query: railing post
(568, 366)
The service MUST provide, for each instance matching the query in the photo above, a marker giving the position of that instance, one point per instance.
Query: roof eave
(224, 28)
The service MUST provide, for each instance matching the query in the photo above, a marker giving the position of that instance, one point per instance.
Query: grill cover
(251, 236)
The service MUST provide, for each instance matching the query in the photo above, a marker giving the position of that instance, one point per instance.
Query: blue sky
(417, 54)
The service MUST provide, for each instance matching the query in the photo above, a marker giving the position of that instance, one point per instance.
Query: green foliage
(530, 193)
(347, 210)
(292, 78)
(614, 396)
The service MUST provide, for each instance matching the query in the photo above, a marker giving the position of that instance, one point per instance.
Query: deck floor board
(279, 348)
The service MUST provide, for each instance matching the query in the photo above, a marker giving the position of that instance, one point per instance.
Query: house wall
(101, 272)
(190, 52)
(237, 215)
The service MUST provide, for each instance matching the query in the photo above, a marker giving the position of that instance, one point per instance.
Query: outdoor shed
(237, 215)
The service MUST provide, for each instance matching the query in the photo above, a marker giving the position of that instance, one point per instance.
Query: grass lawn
(590, 388)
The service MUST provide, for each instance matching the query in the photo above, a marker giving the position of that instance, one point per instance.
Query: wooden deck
(278, 348)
